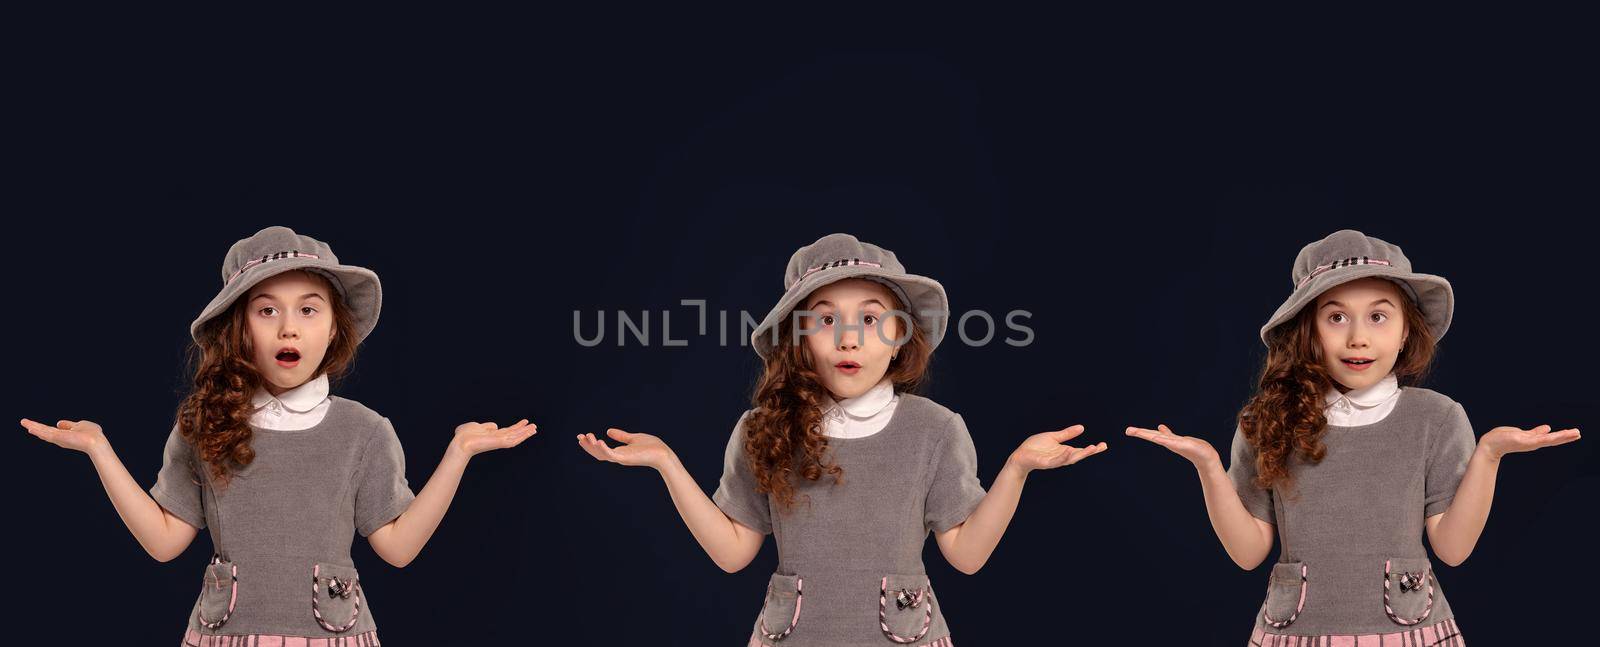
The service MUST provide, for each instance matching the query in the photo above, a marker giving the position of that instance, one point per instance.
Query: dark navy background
(1142, 199)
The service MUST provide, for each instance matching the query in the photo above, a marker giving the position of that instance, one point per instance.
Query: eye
(308, 311)
(870, 320)
(1379, 317)
(827, 320)
(1336, 318)
(267, 311)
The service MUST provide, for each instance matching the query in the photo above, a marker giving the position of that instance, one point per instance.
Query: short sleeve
(1242, 471)
(381, 489)
(177, 487)
(736, 493)
(955, 490)
(1449, 451)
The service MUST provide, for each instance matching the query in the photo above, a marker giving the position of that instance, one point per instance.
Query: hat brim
(358, 286)
(1433, 294)
(926, 295)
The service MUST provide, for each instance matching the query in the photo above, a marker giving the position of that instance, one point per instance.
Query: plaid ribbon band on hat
(268, 259)
(1358, 260)
(840, 263)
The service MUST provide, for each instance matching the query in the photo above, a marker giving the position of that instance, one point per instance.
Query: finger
(591, 446)
(510, 436)
(1152, 436)
(1164, 429)
(36, 426)
(620, 435)
(1067, 434)
(1086, 452)
(1559, 438)
(43, 433)
(590, 450)
(610, 453)
(65, 424)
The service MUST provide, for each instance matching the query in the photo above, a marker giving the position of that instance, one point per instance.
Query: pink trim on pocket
(1279, 624)
(799, 598)
(233, 597)
(917, 599)
(355, 613)
(1427, 577)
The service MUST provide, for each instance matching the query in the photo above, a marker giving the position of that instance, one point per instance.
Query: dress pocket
(905, 607)
(218, 593)
(335, 596)
(1286, 594)
(1408, 589)
(780, 614)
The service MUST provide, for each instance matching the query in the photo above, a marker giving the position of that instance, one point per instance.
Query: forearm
(970, 546)
(721, 538)
(1459, 527)
(1236, 528)
(400, 541)
(159, 533)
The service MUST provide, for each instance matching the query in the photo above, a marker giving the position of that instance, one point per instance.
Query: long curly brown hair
(783, 436)
(215, 416)
(1284, 419)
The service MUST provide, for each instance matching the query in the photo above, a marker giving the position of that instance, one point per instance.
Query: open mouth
(1358, 363)
(288, 357)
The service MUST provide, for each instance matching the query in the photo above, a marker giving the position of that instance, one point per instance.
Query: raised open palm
(1508, 440)
(636, 449)
(474, 438)
(1046, 450)
(81, 435)
(1198, 451)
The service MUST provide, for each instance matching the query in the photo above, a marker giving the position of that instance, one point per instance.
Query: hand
(636, 449)
(475, 438)
(1198, 451)
(1506, 440)
(82, 435)
(1045, 451)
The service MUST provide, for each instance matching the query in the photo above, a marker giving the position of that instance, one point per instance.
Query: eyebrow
(863, 303)
(269, 295)
(1336, 303)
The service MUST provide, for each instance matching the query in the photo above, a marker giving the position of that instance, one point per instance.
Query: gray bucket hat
(836, 257)
(275, 250)
(1347, 255)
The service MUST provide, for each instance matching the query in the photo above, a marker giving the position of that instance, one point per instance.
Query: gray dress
(1351, 528)
(850, 566)
(291, 513)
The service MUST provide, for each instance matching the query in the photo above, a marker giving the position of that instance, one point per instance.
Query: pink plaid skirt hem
(193, 639)
(1440, 634)
(755, 641)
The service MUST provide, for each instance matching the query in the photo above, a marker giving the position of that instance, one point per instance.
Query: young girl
(281, 472)
(847, 468)
(1346, 465)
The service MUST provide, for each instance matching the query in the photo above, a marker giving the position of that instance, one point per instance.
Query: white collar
(1368, 397)
(867, 404)
(299, 399)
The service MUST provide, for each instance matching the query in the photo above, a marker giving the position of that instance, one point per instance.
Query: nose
(1358, 336)
(849, 339)
(287, 329)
